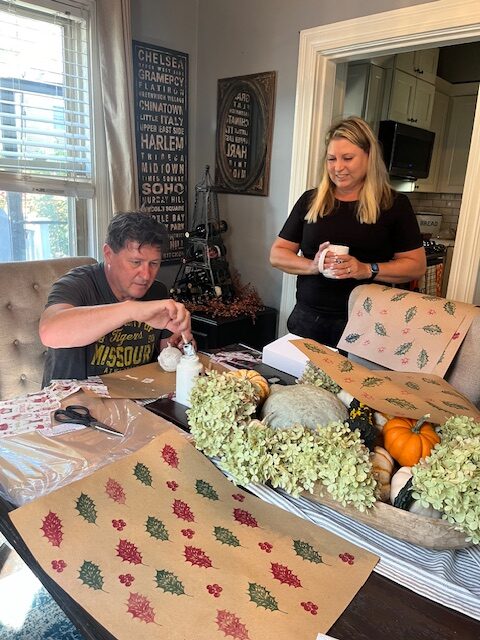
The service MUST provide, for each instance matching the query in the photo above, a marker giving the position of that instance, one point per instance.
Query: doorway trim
(438, 23)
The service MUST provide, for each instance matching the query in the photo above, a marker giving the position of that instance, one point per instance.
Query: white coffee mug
(337, 249)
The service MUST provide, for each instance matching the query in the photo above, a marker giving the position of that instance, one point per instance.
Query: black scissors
(78, 414)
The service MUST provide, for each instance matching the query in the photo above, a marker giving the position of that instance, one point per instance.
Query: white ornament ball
(169, 358)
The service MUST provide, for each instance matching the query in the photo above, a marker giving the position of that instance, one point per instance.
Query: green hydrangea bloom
(345, 467)
(449, 479)
(316, 376)
(220, 403)
(294, 459)
(248, 455)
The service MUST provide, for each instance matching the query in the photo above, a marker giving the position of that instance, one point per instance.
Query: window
(46, 175)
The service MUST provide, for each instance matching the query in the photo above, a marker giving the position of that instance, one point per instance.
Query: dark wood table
(381, 610)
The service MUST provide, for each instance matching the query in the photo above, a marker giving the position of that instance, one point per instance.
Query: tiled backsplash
(448, 204)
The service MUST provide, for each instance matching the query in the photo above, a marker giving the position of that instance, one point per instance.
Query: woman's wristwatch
(374, 269)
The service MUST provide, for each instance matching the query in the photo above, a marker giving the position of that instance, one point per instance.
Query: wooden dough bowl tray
(420, 530)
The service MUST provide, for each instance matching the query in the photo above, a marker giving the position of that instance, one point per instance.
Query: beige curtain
(115, 58)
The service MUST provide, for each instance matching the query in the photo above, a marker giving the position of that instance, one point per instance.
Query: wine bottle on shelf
(208, 229)
(216, 251)
(183, 290)
(195, 290)
(195, 253)
(228, 293)
(188, 259)
(183, 282)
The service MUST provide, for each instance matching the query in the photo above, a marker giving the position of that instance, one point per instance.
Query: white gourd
(382, 467)
(169, 358)
(399, 480)
(379, 420)
(345, 397)
(302, 404)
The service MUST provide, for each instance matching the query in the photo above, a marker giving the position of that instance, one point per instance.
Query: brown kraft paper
(410, 395)
(146, 381)
(161, 544)
(405, 330)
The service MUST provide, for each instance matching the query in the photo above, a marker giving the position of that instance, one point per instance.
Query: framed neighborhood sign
(161, 133)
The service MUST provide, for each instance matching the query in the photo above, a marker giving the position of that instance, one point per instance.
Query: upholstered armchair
(24, 288)
(463, 373)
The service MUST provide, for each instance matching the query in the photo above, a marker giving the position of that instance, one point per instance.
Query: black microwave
(407, 150)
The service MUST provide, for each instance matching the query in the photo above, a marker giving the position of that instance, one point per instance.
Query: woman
(355, 206)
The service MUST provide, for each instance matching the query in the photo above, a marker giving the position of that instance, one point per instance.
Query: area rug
(38, 618)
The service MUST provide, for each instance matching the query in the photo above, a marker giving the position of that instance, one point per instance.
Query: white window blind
(45, 123)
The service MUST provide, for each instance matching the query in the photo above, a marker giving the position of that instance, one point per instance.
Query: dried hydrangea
(316, 376)
(220, 403)
(345, 468)
(449, 479)
(294, 459)
(248, 457)
(460, 426)
(285, 458)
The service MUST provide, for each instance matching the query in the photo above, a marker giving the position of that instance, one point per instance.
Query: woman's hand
(316, 259)
(346, 266)
(341, 265)
(405, 266)
(284, 256)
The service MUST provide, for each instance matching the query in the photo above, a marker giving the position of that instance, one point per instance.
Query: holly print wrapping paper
(405, 330)
(411, 395)
(161, 544)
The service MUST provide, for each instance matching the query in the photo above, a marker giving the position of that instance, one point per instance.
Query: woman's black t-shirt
(395, 231)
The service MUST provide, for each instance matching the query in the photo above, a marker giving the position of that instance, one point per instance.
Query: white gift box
(285, 356)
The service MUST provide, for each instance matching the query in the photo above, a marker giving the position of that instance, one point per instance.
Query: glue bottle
(188, 368)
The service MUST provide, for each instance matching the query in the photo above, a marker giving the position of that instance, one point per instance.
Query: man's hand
(176, 340)
(164, 314)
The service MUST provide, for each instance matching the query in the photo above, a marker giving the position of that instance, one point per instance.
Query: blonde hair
(376, 192)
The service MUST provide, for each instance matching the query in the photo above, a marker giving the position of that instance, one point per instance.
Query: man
(109, 316)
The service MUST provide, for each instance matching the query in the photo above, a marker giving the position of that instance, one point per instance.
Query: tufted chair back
(24, 288)
(463, 373)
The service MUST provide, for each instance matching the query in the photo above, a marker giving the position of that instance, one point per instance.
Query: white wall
(239, 38)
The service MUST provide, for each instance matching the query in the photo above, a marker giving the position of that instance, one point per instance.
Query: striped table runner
(451, 577)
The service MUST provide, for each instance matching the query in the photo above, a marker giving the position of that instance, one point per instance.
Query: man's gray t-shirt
(132, 344)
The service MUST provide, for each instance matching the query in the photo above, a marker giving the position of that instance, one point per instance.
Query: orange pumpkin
(261, 385)
(408, 440)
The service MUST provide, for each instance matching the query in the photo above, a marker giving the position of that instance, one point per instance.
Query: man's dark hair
(136, 226)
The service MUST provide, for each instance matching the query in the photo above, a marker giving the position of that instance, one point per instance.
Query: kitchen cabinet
(364, 92)
(457, 143)
(413, 87)
(422, 64)
(438, 126)
(411, 100)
